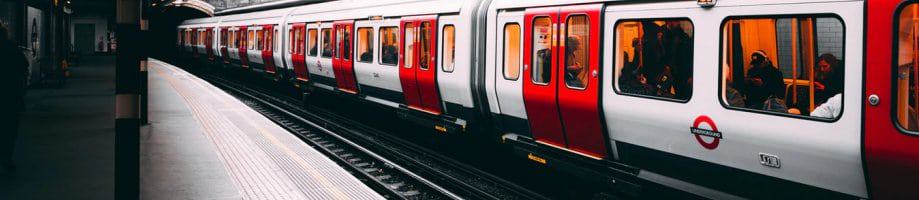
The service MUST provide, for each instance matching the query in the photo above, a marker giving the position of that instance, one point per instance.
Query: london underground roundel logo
(710, 132)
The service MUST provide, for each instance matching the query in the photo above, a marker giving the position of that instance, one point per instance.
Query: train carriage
(723, 99)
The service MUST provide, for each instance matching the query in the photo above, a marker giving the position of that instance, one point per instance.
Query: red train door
(298, 58)
(561, 81)
(209, 43)
(342, 62)
(224, 38)
(244, 45)
(418, 71)
(539, 87)
(891, 134)
(267, 46)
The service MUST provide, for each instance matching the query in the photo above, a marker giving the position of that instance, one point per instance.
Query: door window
(409, 44)
(511, 51)
(346, 42)
(424, 41)
(907, 69)
(576, 64)
(542, 50)
(449, 48)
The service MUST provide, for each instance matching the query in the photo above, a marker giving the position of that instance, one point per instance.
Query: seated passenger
(763, 81)
(389, 54)
(828, 78)
(313, 50)
(366, 56)
(575, 75)
(830, 109)
(326, 50)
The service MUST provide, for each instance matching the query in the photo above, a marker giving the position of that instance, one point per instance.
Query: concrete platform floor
(66, 141)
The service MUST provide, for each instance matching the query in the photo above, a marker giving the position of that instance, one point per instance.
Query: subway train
(723, 99)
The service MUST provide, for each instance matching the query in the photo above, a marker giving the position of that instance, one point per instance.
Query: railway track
(391, 165)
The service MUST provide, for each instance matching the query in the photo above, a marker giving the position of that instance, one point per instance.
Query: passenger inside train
(656, 58)
(777, 58)
(576, 52)
(327, 43)
(389, 52)
(365, 44)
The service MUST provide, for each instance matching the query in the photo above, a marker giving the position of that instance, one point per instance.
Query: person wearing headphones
(763, 81)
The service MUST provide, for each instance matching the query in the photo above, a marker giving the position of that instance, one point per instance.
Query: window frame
(309, 39)
(721, 66)
(520, 41)
(380, 42)
(615, 78)
(443, 52)
(533, 50)
(426, 44)
(894, 64)
(586, 45)
(404, 47)
(322, 43)
(360, 42)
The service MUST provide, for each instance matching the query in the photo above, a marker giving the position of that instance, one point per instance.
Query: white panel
(509, 92)
(373, 73)
(817, 153)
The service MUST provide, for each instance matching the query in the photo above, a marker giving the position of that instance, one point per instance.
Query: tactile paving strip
(264, 160)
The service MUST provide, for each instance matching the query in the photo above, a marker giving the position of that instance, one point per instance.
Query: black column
(127, 122)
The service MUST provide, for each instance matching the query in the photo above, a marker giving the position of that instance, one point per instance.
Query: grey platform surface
(67, 138)
(205, 144)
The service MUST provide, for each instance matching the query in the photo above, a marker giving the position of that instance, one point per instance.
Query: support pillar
(127, 122)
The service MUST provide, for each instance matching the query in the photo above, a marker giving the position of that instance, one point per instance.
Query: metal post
(144, 33)
(127, 124)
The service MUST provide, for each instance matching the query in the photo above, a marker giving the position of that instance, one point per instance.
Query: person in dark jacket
(763, 80)
(13, 84)
(828, 79)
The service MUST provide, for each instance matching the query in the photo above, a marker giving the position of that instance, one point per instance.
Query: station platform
(203, 143)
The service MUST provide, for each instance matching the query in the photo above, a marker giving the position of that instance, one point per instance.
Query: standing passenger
(13, 83)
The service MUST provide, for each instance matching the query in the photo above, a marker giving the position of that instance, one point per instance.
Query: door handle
(594, 73)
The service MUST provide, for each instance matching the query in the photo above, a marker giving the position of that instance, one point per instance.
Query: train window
(346, 43)
(301, 41)
(313, 37)
(512, 51)
(576, 48)
(260, 39)
(365, 44)
(424, 41)
(327, 43)
(293, 38)
(787, 65)
(275, 42)
(252, 42)
(542, 50)
(409, 44)
(654, 58)
(449, 48)
(907, 69)
(389, 50)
